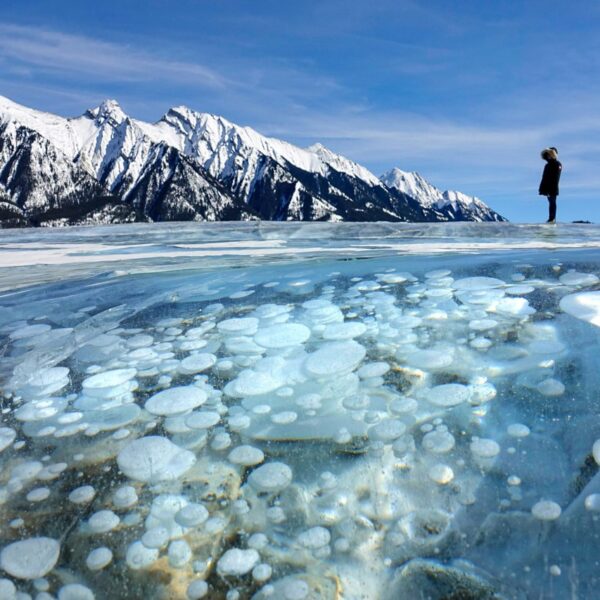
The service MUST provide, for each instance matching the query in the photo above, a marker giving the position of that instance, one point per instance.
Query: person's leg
(551, 208)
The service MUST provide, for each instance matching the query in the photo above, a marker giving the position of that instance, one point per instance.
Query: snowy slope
(456, 205)
(192, 165)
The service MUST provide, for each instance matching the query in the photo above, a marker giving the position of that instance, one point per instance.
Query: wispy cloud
(76, 55)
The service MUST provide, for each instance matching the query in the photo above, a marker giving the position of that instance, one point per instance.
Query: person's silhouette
(550, 179)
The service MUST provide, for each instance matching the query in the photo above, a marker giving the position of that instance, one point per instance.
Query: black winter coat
(550, 178)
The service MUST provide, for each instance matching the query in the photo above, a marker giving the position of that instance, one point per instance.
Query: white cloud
(78, 55)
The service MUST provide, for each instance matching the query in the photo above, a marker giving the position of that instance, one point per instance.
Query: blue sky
(467, 92)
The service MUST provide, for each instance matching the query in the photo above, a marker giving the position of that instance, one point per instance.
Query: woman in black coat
(550, 179)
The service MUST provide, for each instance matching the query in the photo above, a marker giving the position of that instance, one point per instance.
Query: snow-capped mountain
(455, 206)
(107, 167)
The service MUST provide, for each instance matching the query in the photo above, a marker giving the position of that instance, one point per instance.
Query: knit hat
(549, 153)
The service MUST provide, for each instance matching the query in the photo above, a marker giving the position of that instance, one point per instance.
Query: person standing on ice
(550, 179)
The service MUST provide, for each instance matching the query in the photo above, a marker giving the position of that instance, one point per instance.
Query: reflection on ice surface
(250, 411)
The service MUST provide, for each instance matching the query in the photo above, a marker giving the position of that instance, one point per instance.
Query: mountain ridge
(189, 166)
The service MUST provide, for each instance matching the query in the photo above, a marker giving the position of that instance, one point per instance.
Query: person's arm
(544, 181)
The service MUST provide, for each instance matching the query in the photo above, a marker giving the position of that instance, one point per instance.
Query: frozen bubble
(575, 278)
(246, 456)
(236, 562)
(596, 451)
(482, 324)
(103, 521)
(175, 400)
(140, 557)
(7, 437)
(245, 326)
(153, 459)
(478, 283)
(430, 359)
(404, 405)
(31, 558)
(285, 417)
(239, 422)
(38, 494)
(8, 591)
(344, 331)
(518, 430)
(314, 538)
(82, 494)
(517, 307)
(546, 510)
(262, 572)
(253, 383)
(125, 497)
(441, 474)
(271, 477)
(258, 541)
(448, 394)
(335, 358)
(197, 363)
(203, 420)
(156, 537)
(197, 590)
(514, 480)
(179, 553)
(374, 369)
(550, 387)
(484, 448)
(438, 442)
(75, 591)
(296, 590)
(99, 558)
(191, 515)
(387, 431)
(29, 331)
(221, 441)
(283, 335)
(519, 290)
(592, 502)
(584, 306)
(108, 379)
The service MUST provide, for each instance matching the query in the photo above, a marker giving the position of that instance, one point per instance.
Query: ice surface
(192, 411)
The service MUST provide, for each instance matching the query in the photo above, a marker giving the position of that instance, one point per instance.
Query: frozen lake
(290, 411)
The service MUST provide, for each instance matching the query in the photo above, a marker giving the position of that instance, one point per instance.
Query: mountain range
(106, 167)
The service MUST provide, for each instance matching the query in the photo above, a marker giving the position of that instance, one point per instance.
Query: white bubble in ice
(38, 494)
(438, 442)
(197, 363)
(403, 405)
(517, 307)
(103, 521)
(478, 283)
(592, 502)
(285, 417)
(282, 335)
(514, 480)
(584, 306)
(175, 400)
(237, 562)
(108, 379)
(315, 537)
(387, 430)
(262, 572)
(575, 278)
(258, 541)
(271, 477)
(550, 387)
(156, 537)
(31, 558)
(334, 358)
(448, 394)
(546, 510)
(7, 437)
(518, 430)
(246, 455)
(82, 494)
(99, 558)
(75, 591)
(179, 553)
(221, 441)
(8, 591)
(430, 359)
(197, 590)
(374, 369)
(202, 420)
(482, 324)
(154, 459)
(484, 448)
(125, 496)
(596, 451)
(245, 326)
(441, 474)
(191, 515)
(296, 590)
(344, 331)
(140, 557)
(29, 331)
